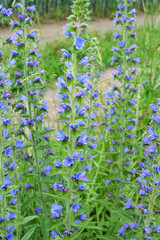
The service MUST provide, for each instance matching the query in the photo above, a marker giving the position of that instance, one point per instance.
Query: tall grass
(61, 8)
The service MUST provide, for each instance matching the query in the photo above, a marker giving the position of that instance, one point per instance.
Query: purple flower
(10, 215)
(75, 207)
(68, 161)
(10, 229)
(59, 187)
(80, 176)
(81, 139)
(57, 163)
(38, 210)
(61, 136)
(31, 8)
(28, 185)
(19, 144)
(154, 107)
(65, 29)
(8, 152)
(81, 187)
(13, 201)
(54, 234)
(84, 61)
(7, 12)
(32, 34)
(79, 43)
(21, 17)
(9, 236)
(65, 53)
(46, 170)
(120, 6)
(121, 231)
(82, 216)
(82, 78)
(108, 182)
(128, 204)
(56, 210)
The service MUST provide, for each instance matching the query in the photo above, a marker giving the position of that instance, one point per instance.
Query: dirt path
(50, 32)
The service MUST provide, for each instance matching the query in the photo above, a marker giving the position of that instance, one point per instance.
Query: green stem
(124, 63)
(38, 177)
(71, 143)
(18, 215)
(151, 206)
(97, 172)
(2, 181)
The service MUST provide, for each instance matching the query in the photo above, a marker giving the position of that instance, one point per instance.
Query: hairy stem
(38, 177)
(151, 206)
(2, 181)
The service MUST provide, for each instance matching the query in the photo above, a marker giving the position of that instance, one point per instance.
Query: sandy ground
(50, 32)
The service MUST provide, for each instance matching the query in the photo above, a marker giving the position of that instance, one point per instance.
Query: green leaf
(45, 230)
(86, 226)
(28, 235)
(106, 238)
(43, 147)
(25, 220)
(56, 196)
(123, 214)
(55, 225)
(38, 136)
(28, 202)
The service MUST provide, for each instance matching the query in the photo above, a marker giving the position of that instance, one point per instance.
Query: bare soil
(50, 32)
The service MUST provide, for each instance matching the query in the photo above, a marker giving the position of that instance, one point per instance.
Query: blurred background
(59, 9)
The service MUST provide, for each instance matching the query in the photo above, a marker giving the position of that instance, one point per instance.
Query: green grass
(148, 49)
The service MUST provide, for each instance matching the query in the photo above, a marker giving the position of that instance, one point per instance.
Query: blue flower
(7, 12)
(3, 105)
(8, 152)
(128, 204)
(84, 61)
(13, 201)
(10, 229)
(82, 216)
(9, 236)
(65, 53)
(57, 163)
(108, 182)
(31, 8)
(79, 43)
(82, 78)
(56, 210)
(54, 234)
(38, 210)
(7, 181)
(10, 215)
(75, 207)
(154, 107)
(81, 139)
(68, 161)
(46, 170)
(61, 136)
(32, 34)
(121, 231)
(69, 34)
(82, 186)
(19, 144)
